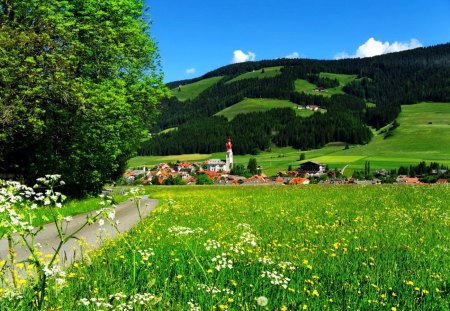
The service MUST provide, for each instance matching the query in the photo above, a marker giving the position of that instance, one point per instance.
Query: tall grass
(315, 248)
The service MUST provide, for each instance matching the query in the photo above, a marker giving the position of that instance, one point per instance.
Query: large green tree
(80, 81)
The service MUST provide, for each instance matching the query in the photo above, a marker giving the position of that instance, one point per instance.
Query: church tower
(229, 160)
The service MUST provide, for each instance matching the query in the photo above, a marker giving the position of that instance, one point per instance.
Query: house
(215, 165)
(408, 180)
(311, 168)
(442, 181)
(312, 107)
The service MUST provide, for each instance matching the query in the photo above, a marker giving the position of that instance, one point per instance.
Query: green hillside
(413, 141)
(263, 73)
(302, 85)
(259, 104)
(192, 90)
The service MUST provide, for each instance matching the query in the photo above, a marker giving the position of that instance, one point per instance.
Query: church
(217, 165)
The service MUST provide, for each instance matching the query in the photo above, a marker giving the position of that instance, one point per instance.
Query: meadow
(308, 88)
(269, 72)
(260, 105)
(192, 90)
(271, 248)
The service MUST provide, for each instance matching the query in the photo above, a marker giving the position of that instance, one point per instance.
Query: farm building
(311, 168)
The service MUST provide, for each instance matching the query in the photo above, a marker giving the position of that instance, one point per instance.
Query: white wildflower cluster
(211, 244)
(214, 290)
(15, 196)
(55, 272)
(96, 302)
(249, 238)
(222, 262)
(137, 191)
(12, 294)
(179, 230)
(146, 254)
(106, 200)
(237, 248)
(266, 260)
(50, 197)
(108, 213)
(193, 306)
(276, 278)
(287, 265)
(121, 302)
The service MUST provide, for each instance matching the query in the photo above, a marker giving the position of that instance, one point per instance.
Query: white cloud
(240, 57)
(373, 47)
(293, 55)
(190, 71)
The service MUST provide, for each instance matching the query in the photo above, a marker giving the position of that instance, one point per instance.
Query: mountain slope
(363, 92)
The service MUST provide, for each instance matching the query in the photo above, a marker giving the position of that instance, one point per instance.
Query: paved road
(126, 213)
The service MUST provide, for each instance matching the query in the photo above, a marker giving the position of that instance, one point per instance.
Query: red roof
(299, 181)
(442, 181)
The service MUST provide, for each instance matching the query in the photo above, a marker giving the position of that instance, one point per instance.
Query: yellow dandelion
(283, 308)
(230, 300)
(223, 307)
(393, 309)
(305, 307)
(315, 293)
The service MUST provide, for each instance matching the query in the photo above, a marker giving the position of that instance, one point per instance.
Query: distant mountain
(355, 93)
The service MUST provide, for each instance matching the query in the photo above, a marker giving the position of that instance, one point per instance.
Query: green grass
(308, 88)
(258, 105)
(333, 247)
(269, 72)
(191, 91)
(151, 161)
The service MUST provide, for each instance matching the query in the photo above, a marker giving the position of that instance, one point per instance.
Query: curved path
(93, 235)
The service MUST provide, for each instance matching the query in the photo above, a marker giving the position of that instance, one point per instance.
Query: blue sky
(195, 37)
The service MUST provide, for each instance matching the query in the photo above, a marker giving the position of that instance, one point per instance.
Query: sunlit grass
(314, 247)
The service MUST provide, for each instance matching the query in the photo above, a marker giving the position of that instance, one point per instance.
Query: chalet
(311, 168)
(407, 180)
(215, 165)
(312, 107)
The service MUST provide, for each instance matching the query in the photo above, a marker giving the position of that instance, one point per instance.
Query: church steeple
(229, 161)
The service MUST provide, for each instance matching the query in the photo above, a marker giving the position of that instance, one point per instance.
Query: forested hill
(372, 98)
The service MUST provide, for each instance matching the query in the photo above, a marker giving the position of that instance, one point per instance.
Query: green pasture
(260, 105)
(269, 72)
(308, 88)
(192, 90)
(271, 248)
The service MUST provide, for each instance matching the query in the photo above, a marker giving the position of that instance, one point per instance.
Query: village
(220, 172)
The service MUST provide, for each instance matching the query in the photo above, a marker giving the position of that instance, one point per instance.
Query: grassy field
(308, 88)
(269, 72)
(272, 248)
(260, 105)
(191, 91)
(413, 141)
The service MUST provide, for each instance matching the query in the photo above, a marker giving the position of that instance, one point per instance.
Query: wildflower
(262, 301)
(276, 278)
(222, 262)
(179, 276)
(193, 306)
(315, 293)
(211, 244)
(283, 308)
(101, 222)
